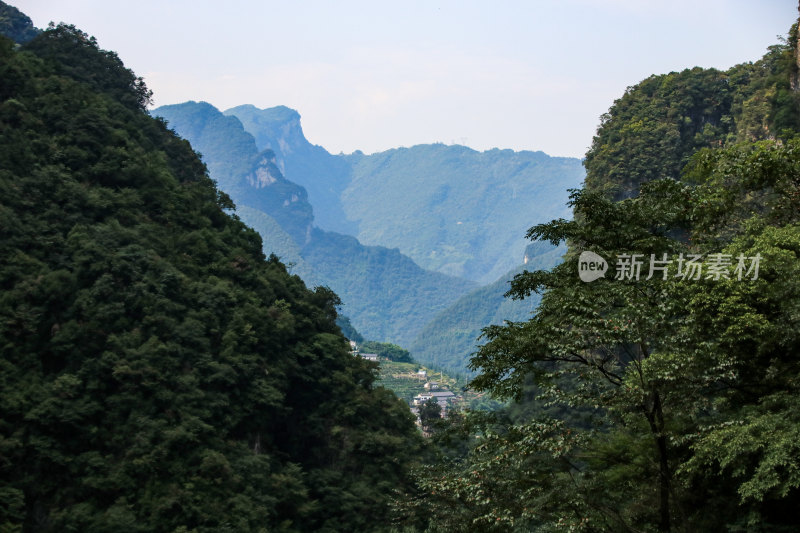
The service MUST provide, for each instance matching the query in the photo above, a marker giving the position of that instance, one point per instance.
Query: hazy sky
(373, 75)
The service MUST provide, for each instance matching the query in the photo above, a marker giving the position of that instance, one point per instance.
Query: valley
(209, 323)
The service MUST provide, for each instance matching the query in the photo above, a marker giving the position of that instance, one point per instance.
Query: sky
(373, 75)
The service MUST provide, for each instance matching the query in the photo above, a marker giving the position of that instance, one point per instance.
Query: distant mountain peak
(248, 174)
(279, 113)
(277, 128)
(323, 175)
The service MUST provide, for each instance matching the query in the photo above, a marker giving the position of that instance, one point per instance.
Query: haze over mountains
(399, 235)
(448, 207)
(386, 294)
(455, 210)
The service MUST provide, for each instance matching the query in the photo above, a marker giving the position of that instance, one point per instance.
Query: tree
(430, 412)
(660, 402)
(390, 351)
(689, 382)
(593, 344)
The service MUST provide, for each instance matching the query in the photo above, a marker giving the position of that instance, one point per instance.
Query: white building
(422, 398)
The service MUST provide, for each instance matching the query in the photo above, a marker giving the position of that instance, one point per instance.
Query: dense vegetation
(276, 241)
(658, 124)
(661, 404)
(158, 373)
(455, 210)
(385, 294)
(387, 350)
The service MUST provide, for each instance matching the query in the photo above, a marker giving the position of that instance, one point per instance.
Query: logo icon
(591, 266)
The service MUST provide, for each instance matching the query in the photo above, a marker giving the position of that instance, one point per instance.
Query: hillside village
(416, 384)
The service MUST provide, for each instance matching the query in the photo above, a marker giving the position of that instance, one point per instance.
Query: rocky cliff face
(323, 175)
(251, 177)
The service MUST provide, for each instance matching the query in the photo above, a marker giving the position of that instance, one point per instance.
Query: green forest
(160, 373)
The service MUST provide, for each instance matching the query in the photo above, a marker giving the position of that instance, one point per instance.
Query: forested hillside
(16, 25)
(662, 396)
(654, 129)
(387, 296)
(455, 210)
(454, 334)
(158, 372)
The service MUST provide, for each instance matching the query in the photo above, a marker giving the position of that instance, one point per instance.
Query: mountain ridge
(457, 210)
(387, 296)
(437, 203)
(323, 175)
(321, 257)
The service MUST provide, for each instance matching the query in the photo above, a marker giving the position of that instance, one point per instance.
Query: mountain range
(448, 207)
(160, 373)
(387, 296)
(401, 236)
